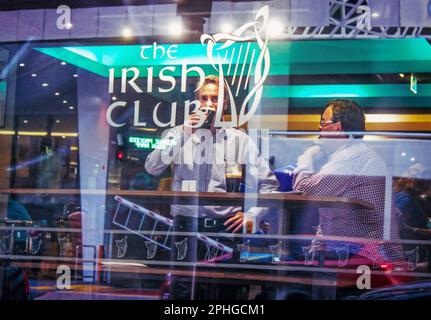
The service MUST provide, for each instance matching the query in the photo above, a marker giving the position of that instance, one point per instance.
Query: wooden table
(280, 200)
(285, 201)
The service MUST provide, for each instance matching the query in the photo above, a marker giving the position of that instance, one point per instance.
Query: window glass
(262, 150)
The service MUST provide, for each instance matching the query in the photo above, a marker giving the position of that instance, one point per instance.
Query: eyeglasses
(324, 123)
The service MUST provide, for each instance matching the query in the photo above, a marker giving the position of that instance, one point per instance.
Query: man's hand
(310, 157)
(193, 121)
(315, 152)
(235, 223)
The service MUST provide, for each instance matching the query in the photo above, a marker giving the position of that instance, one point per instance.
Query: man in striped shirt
(351, 169)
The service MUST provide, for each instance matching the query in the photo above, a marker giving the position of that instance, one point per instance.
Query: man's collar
(219, 131)
(347, 144)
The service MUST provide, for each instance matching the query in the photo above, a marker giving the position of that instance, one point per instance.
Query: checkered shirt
(354, 171)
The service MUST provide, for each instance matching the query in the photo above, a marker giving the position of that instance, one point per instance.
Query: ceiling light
(71, 108)
(176, 28)
(275, 28)
(44, 84)
(127, 32)
(57, 93)
(34, 75)
(226, 28)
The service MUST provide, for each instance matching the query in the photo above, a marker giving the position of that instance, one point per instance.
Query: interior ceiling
(191, 5)
(301, 77)
(303, 74)
(42, 4)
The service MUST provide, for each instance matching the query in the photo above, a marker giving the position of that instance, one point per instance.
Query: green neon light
(294, 57)
(345, 91)
(99, 59)
(148, 143)
(144, 143)
(287, 58)
(414, 84)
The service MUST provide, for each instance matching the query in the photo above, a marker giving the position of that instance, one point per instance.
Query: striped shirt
(353, 171)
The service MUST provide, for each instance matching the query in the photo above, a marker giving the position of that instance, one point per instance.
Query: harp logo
(257, 59)
(241, 60)
(343, 255)
(63, 244)
(121, 247)
(181, 249)
(412, 258)
(276, 251)
(151, 249)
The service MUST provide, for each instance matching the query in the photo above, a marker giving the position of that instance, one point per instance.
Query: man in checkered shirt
(352, 170)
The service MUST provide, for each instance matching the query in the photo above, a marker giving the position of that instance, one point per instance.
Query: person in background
(17, 211)
(18, 216)
(143, 181)
(353, 170)
(187, 142)
(414, 222)
(264, 229)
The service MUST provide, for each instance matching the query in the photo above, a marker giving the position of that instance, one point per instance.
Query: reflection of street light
(226, 28)
(176, 28)
(127, 32)
(275, 28)
(44, 84)
(375, 15)
(403, 154)
(69, 26)
(412, 159)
